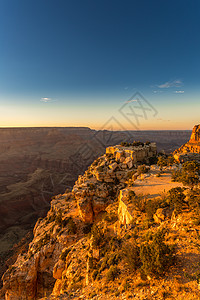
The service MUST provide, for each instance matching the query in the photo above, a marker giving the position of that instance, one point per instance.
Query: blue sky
(77, 62)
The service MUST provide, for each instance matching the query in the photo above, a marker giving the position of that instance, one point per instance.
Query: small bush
(155, 255)
(97, 236)
(153, 160)
(142, 169)
(188, 175)
(112, 273)
(194, 199)
(176, 199)
(113, 259)
(100, 169)
(152, 206)
(162, 162)
(111, 218)
(87, 228)
(131, 255)
(138, 202)
(137, 143)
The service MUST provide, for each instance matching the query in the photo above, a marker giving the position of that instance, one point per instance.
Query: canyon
(77, 248)
(39, 163)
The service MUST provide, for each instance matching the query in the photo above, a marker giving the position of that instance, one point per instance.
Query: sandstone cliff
(38, 273)
(191, 149)
(38, 163)
(98, 240)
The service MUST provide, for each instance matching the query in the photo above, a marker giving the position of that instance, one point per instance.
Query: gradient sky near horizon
(83, 62)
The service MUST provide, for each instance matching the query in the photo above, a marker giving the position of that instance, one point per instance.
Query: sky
(105, 64)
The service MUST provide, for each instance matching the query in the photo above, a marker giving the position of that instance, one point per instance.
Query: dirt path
(155, 186)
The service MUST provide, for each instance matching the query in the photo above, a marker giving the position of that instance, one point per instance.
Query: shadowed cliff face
(38, 163)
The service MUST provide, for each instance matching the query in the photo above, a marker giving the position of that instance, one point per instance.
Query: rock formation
(50, 267)
(38, 163)
(99, 240)
(191, 149)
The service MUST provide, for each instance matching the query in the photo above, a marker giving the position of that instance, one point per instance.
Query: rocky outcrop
(190, 150)
(106, 176)
(125, 211)
(31, 275)
(61, 154)
(51, 264)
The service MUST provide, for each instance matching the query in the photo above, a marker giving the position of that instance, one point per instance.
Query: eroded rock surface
(191, 149)
(48, 266)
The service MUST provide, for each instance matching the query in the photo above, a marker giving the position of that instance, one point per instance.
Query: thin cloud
(47, 100)
(169, 84)
(163, 120)
(179, 92)
(157, 92)
(133, 100)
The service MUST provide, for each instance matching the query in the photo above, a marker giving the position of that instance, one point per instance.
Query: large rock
(190, 150)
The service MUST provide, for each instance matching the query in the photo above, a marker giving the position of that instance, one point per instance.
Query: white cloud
(45, 99)
(179, 92)
(133, 100)
(157, 92)
(169, 84)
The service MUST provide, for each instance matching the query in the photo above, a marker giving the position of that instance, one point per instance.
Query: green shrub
(131, 255)
(152, 206)
(176, 199)
(138, 201)
(137, 143)
(142, 169)
(156, 256)
(170, 160)
(162, 162)
(97, 236)
(153, 160)
(194, 199)
(188, 175)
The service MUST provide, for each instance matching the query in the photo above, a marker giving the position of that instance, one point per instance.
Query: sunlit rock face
(195, 136)
(41, 270)
(190, 150)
